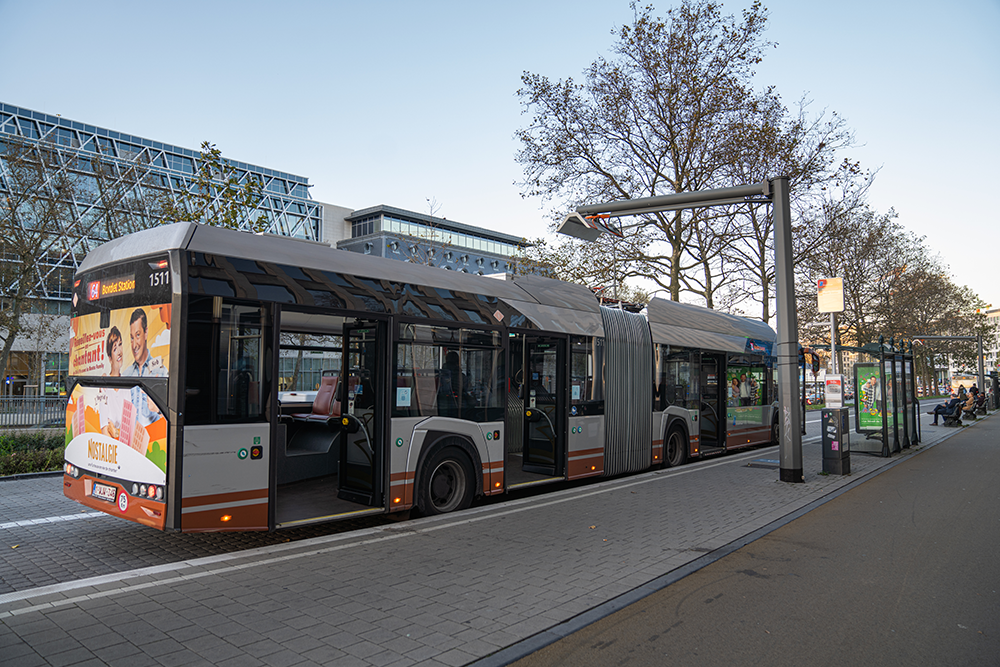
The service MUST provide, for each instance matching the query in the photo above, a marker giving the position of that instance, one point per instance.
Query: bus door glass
(362, 411)
(712, 400)
(545, 398)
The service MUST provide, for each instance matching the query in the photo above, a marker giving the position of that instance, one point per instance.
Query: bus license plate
(104, 492)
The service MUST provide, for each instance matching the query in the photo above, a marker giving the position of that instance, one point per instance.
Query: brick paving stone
(323, 654)
(453, 594)
(14, 650)
(261, 648)
(95, 640)
(455, 657)
(27, 660)
(361, 649)
(117, 653)
(303, 644)
(71, 657)
(183, 658)
(241, 661)
(212, 648)
(50, 643)
(283, 658)
(163, 647)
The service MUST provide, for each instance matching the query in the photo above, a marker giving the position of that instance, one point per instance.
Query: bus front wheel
(446, 483)
(676, 453)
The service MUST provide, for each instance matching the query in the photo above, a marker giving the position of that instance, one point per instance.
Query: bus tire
(447, 482)
(775, 433)
(675, 449)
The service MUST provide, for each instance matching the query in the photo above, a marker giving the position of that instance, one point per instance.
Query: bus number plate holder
(104, 492)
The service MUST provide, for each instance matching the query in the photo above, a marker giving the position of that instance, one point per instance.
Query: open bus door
(362, 413)
(545, 400)
(713, 402)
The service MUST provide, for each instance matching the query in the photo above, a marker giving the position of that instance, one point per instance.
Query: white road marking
(50, 519)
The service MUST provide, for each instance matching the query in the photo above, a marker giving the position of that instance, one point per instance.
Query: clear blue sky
(396, 102)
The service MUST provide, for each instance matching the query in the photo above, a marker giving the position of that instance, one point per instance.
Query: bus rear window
(224, 362)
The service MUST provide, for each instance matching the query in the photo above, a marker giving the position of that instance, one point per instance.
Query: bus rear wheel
(676, 450)
(446, 483)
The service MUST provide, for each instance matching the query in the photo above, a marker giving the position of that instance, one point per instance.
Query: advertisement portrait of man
(143, 363)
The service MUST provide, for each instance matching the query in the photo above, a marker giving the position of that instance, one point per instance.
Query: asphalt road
(901, 570)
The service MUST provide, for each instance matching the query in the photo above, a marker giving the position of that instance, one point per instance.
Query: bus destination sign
(99, 289)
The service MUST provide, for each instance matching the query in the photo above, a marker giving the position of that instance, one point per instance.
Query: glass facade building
(115, 176)
(112, 176)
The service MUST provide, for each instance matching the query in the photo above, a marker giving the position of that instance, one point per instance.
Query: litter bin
(836, 441)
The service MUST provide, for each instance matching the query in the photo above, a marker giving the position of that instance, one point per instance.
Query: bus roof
(682, 324)
(552, 305)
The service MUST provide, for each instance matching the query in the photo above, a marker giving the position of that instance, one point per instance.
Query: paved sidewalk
(441, 591)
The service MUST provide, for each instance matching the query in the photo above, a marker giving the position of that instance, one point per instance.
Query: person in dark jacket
(945, 409)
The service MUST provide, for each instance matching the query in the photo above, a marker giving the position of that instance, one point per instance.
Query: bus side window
(198, 362)
(239, 363)
(223, 362)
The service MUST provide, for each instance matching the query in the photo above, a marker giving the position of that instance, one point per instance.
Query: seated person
(945, 409)
(452, 392)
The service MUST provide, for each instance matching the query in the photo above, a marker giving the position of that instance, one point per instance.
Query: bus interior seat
(311, 446)
(324, 404)
(426, 391)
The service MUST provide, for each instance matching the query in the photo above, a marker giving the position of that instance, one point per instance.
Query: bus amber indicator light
(225, 517)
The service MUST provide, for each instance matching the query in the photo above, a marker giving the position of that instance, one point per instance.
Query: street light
(587, 223)
(587, 228)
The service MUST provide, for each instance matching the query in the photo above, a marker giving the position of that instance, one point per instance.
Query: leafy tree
(894, 287)
(222, 195)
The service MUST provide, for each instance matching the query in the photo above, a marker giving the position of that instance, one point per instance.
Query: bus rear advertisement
(116, 433)
(225, 381)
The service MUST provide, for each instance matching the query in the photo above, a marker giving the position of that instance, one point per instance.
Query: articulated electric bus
(221, 380)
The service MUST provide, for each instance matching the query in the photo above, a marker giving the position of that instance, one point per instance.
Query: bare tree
(37, 229)
(433, 206)
(805, 148)
(658, 118)
(127, 196)
(222, 195)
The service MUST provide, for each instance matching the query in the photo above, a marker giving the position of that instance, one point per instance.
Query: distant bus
(221, 380)
(963, 379)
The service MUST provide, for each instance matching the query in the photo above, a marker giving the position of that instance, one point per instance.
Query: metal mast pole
(788, 344)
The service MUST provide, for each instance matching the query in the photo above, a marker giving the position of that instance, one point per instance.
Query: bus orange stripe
(599, 451)
(217, 498)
